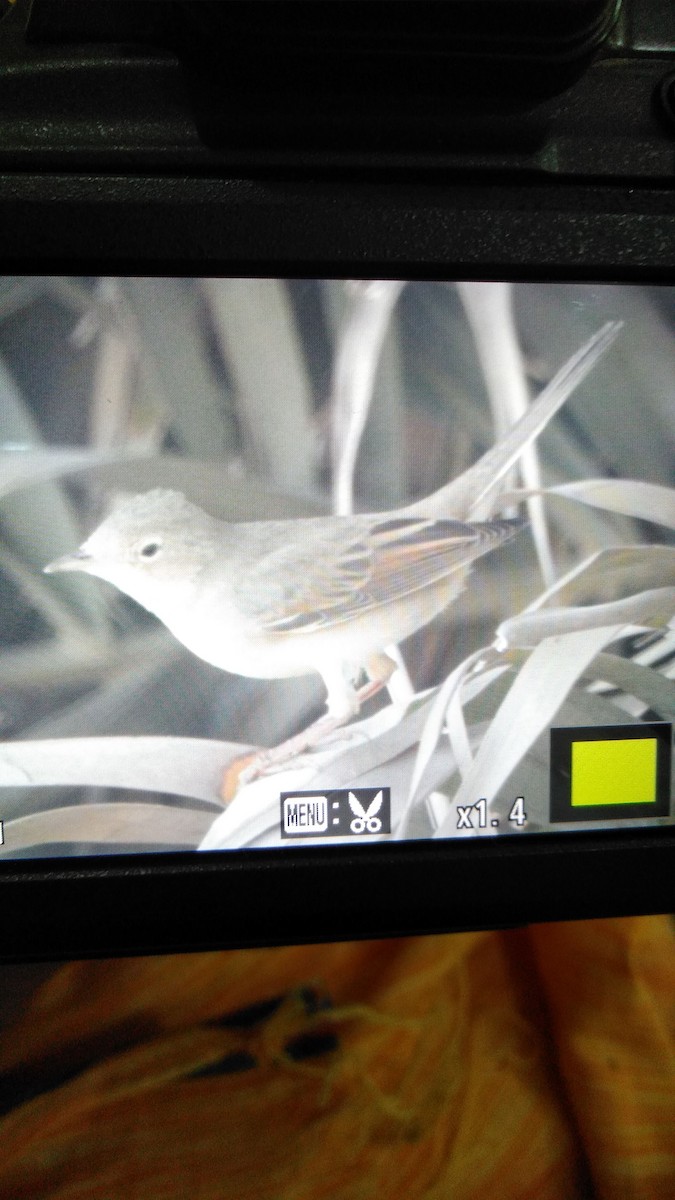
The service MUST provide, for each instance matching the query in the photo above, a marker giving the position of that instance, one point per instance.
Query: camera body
(292, 142)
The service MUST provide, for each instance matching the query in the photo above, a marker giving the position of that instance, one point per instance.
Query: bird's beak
(69, 562)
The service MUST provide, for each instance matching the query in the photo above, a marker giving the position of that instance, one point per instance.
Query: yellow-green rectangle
(614, 772)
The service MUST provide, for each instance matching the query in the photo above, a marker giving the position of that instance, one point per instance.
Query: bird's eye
(150, 549)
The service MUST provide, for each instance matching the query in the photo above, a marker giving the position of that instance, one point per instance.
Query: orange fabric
(474, 1067)
(610, 986)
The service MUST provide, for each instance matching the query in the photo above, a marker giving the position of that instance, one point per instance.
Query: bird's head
(148, 543)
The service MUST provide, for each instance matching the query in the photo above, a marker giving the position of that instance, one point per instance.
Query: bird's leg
(344, 702)
(248, 767)
(251, 766)
(379, 668)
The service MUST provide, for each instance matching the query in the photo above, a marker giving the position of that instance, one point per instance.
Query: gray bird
(274, 599)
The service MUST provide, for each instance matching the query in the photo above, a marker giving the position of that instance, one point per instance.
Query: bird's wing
(365, 564)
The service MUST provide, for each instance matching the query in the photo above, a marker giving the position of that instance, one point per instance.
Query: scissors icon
(365, 819)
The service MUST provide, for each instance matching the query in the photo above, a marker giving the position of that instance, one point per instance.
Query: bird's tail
(473, 494)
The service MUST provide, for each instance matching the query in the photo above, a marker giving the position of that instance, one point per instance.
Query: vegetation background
(288, 398)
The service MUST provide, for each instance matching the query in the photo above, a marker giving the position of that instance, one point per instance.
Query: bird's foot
(247, 767)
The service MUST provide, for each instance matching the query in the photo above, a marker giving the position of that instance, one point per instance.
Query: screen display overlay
(315, 562)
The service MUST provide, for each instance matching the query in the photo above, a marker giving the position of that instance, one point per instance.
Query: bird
(276, 599)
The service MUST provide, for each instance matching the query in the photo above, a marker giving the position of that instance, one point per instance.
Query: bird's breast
(221, 635)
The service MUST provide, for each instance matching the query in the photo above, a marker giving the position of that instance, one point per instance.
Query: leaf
(357, 359)
(633, 498)
(253, 817)
(81, 661)
(224, 493)
(118, 823)
(361, 752)
(648, 685)
(256, 330)
(436, 718)
(613, 571)
(232, 495)
(174, 766)
(529, 708)
(42, 525)
(489, 308)
(368, 745)
(171, 325)
(24, 465)
(650, 609)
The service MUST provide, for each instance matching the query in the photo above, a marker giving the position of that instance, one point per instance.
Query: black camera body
(297, 141)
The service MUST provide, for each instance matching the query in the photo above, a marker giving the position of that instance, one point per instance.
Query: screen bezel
(333, 228)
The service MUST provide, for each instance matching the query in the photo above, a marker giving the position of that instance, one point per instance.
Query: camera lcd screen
(332, 561)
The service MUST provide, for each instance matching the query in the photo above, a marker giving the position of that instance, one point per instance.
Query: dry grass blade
(43, 524)
(528, 710)
(229, 494)
(654, 690)
(376, 744)
(78, 661)
(610, 572)
(650, 609)
(253, 816)
(173, 766)
(436, 719)
(489, 307)
(168, 316)
(272, 392)
(644, 501)
(356, 364)
(144, 825)
(23, 467)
